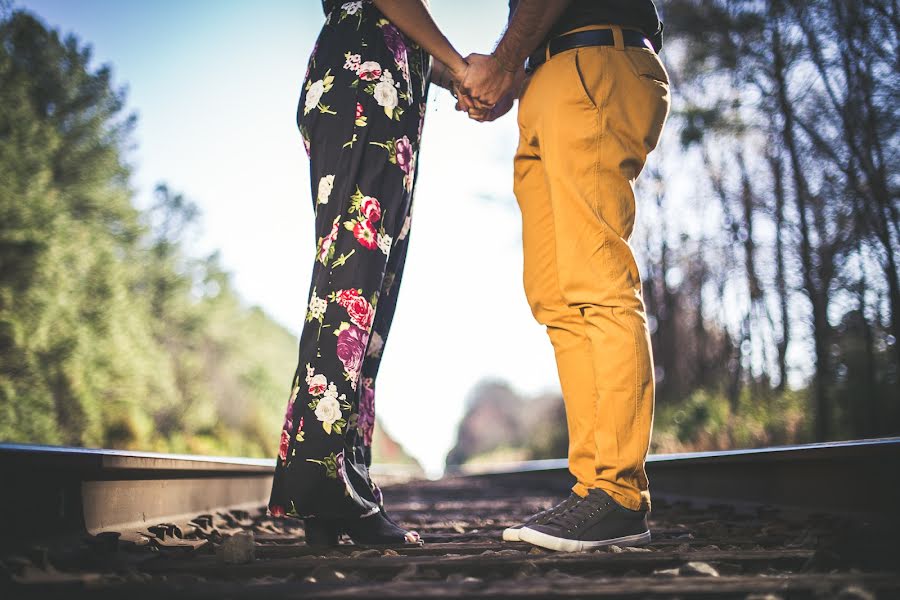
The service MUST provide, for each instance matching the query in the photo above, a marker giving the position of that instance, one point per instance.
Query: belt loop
(618, 38)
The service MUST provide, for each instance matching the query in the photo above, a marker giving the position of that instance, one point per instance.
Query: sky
(215, 85)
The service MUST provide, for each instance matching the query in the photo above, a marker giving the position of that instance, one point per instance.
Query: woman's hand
(450, 79)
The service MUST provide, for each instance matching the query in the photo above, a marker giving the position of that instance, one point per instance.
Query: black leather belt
(582, 39)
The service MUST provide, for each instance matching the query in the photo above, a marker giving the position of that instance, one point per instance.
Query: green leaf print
(342, 259)
(391, 147)
(330, 464)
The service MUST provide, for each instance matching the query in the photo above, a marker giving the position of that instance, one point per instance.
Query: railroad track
(776, 523)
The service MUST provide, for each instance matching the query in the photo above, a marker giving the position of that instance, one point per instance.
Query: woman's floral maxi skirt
(360, 115)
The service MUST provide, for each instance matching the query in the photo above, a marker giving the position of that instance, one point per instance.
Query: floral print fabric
(361, 112)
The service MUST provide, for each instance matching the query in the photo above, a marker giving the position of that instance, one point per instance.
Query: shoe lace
(561, 506)
(544, 515)
(578, 513)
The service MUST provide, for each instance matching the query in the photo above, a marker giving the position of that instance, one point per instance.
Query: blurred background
(156, 235)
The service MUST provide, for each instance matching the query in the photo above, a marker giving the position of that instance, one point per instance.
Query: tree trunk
(780, 276)
(819, 307)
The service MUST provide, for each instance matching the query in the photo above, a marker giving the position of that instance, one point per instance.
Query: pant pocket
(647, 65)
(587, 65)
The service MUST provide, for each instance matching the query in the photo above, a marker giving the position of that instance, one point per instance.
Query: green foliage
(707, 420)
(67, 228)
(110, 335)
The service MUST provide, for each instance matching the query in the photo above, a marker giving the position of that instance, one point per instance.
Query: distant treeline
(111, 333)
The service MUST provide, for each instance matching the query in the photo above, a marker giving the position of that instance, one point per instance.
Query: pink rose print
(365, 234)
(369, 71)
(351, 347)
(285, 442)
(370, 209)
(404, 154)
(359, 110)
(318, 385)
(326, 242)
(394, 41)
(276, 510)
(289, 415)
(339, 467)
(345, 297)
(361, 312)
(366, 422)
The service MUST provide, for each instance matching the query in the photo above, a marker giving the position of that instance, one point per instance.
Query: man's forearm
(527, 28)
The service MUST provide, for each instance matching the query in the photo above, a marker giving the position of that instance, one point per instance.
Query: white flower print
(314, 94)
(405, 229)
(326, 184)
(386, 96)
(351, 8)
(376, 343)
(410, 177)
(384, 243)
(317, 307)
(328, 410)
(387, 76)
(352, 62)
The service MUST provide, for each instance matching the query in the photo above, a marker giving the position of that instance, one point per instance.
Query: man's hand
(486, 81)
(464, 103)
(502, 107)
(486, 115)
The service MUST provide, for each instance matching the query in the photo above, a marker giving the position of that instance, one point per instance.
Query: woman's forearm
(440, 75)
(412, 18)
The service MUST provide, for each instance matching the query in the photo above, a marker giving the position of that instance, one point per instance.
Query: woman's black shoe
(322, 532)
(378, 530)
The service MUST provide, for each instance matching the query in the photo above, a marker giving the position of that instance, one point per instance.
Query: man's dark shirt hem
(633, 14)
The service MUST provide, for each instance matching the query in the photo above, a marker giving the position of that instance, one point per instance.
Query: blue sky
(215, 85)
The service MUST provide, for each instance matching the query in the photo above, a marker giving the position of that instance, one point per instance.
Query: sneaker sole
(551, 542)
(512, 534)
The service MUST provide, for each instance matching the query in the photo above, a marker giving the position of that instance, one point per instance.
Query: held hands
(486, 90)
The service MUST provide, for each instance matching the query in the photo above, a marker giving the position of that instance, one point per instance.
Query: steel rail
(48, 490)
(851, 477)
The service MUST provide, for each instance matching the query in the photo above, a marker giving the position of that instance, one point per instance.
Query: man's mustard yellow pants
(587, 120)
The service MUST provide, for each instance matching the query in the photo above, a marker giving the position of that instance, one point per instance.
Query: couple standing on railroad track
(593, 99)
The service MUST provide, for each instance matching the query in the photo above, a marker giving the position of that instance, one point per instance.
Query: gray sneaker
(512, 534)
(594, 521)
